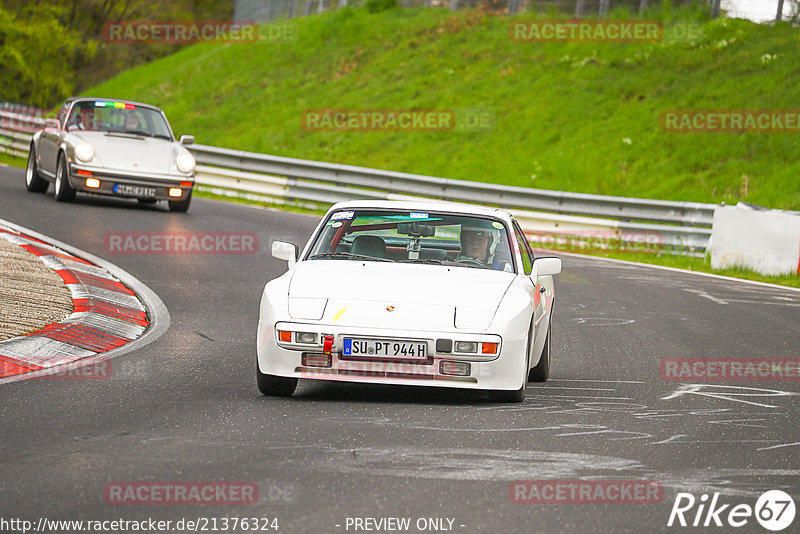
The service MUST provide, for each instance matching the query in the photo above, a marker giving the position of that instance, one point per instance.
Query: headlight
(84, 152)
(185, 162)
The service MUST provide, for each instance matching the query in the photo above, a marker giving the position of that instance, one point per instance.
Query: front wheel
(277, 386)
(33, 182)
(541, 372)
(181, 206)
(63, 191)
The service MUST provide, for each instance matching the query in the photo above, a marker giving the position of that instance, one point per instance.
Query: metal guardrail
(550, 216)
(682, 226)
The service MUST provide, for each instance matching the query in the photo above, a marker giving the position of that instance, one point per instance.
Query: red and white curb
(112, 311)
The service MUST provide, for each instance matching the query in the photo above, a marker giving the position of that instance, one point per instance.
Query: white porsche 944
(415, 293)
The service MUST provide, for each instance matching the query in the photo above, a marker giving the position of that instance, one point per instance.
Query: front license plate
(385, 348)
(135, 190)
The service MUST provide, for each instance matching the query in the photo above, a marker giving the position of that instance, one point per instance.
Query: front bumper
(502, 371)
(109, 179)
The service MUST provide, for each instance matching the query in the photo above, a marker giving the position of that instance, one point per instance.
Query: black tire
(63, 191)
(276, 386)
(541, 372)
(147, 200)
(181, 206)
(33, 182)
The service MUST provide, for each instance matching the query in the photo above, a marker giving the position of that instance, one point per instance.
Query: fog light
(489, 348)
(175, 192)
(466, 346)
(94, 183)
(316, 360)
(454, 368)
(284, 336)
(309, 338)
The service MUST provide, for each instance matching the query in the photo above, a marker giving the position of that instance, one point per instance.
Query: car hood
(117, 152)
(400, 296)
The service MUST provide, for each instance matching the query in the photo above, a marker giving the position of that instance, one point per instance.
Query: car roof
(424, 205)
(91, 99)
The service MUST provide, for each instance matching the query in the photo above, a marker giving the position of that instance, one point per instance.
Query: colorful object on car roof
(118, 105)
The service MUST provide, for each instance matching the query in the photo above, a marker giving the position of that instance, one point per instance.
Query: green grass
(563, 112)
(13, 161)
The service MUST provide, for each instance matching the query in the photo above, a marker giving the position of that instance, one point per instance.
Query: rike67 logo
(774, 510)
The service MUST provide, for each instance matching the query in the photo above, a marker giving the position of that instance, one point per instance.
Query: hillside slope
(578, 116)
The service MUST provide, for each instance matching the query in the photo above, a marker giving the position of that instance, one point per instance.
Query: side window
(62, 115)
(524, 249)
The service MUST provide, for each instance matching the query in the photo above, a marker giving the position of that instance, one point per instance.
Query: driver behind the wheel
(480, 243)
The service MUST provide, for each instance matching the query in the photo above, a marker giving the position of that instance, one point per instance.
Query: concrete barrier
(766, 241)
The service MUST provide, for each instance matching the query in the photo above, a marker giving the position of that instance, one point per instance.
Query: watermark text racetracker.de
(194, 524)
(731, 121)
(586, 492)
(187, 243)
(398, 120)
(604, 31)
(198, 31)
(729, 369)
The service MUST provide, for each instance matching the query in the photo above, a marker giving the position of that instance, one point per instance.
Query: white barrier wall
(767, 242)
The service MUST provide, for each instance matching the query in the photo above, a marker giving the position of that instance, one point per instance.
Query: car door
(49, 141)
(538, 303)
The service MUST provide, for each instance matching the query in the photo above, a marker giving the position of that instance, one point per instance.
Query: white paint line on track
(780, 446)
(672, 269)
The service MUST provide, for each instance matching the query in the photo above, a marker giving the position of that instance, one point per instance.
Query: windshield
(117, 117)
(414, 237)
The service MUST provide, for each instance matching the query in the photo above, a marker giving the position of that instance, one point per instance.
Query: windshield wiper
(425, 260)
(348, 256)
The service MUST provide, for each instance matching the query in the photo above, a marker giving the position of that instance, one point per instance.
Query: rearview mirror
(51, 123)
(547, 266)
(285, 251)
(415, 229)
(186, 140)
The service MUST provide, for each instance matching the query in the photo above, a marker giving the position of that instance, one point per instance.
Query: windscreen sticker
(417, 215)
(337, 224)
(342, 215)
(498, 225)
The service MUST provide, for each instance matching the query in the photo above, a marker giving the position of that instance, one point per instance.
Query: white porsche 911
(414, 293)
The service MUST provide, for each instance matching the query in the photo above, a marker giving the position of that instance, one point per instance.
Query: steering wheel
(471, 261)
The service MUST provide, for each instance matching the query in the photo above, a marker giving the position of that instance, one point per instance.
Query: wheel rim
(59, 177)
(29, 169)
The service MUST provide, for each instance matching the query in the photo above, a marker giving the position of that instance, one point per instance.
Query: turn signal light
(175, 192)
(186, 184)
(488, 348)
(284, 336)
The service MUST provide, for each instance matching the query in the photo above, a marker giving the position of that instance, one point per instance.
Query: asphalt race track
(190, 411)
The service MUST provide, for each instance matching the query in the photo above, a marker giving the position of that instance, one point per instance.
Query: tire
(63, 191)
(33, 182)
(541, 372)
(275, 386)
(181, 206)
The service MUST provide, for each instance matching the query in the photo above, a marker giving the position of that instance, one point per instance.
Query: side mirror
(51, 123)
(186, 140)
(547, 266)
(286, 251)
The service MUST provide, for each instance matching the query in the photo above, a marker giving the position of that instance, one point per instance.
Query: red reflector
(186, 184)
(284, 336)
(85, 173)
(316, 360)
(489, 348)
